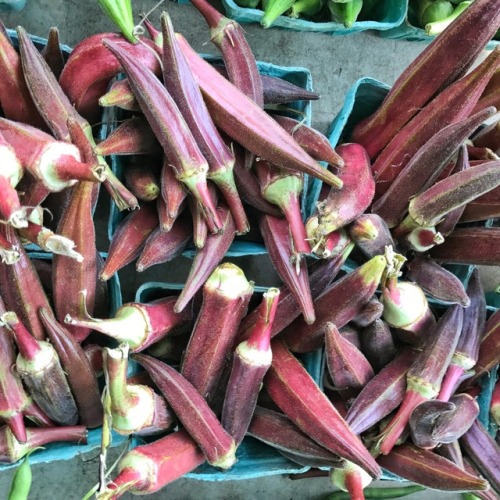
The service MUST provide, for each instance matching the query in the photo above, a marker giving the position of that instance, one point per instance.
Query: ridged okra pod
(447, 58)
(371, 234)
(52, 52)
(121, 96)
(136, 324)
(245, 122)
(338, 305)
(180, 82)
(426, 374)
(79, 372)
(135, 408)
(290, 266)
(377, 344)
(296, 393)
(38, 366)
(193, 411)
(171, 130)
(228, 292)
(251, 360)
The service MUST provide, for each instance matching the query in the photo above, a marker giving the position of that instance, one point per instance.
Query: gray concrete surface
(335, 63)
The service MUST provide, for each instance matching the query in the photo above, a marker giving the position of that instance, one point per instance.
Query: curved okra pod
(342, 207)
(136, 324)
(295, 392)
(425, 167)
(179, 81)
(447, 58)
(251, 360)
(290, 266)
(79, 372)
(245, 122)
(171, 130)
(338, 305)
(228, 292)
(426, 374)
(193, 411)
(38, 366)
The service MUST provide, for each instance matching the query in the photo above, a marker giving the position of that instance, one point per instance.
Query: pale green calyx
(229, 281)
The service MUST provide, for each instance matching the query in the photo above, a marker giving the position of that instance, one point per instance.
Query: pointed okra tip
(229, 280)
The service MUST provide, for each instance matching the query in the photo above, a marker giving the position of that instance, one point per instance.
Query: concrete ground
(335, 63)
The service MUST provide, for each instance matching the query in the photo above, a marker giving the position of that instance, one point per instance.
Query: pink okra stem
(26, 343)
(10, 206)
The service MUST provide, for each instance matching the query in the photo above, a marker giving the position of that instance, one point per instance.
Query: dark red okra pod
(121, 96)
(251, 360)
(143, 179)
(171, 131)
(447, 58)
(371, 234)
(193, 411)
(180, 82)
(426, 374)
(429, 469)
(466, 353)
(228, 292)
(338, 305)
(52, 52)
(38, 366)
(139, 325)
(377, 344)
(371, 312)
(296, 393)
(79, 372)
(290, 266)
(129, 238)
(150, 467)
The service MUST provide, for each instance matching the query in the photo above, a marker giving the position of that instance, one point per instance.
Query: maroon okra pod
(377, 344)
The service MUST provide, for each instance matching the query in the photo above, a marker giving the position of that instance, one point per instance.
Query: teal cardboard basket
(12, 5)
(255, 459)
(388, 14)
(67, 451)
(298, 76)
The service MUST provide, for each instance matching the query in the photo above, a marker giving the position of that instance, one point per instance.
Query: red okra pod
(52, 52)
(193, 411)
(377, 344)
(467, 351)
(207, 258)
(38, 366)
(129, 238)
(452, 105)
(171, 130)
(425, 167)
(200, 229)
(495, 404)
(437, 281)
(280, 91)
(150, 467)
(278, 431)
(133, 137)
(447, 58)
(470, 245)
(251, 360)
(136, 324)
(484, 452)
(350, 478)
(135, 409)
(180, 82)
(371, 235)
(121, 96)
(371, 312)
(245, 122)
(283, 189)
(21, 289)
(313, 142)
(173, 194)
(483, 208)
(426, 374)
(11, 450)
(338, 305)
(15, 98)
(290, 266)
(383, 394)
(489, 137)
(91, 65)
(342, 207)
(228, 292)
(319, 279)
(296, 393)
(142, 178)
(346, 364)
(162, 247)
(429, 469)
(79, 372)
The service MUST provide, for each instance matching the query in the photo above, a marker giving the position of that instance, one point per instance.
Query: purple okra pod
(467, 351)
(426, 374)
(371, 234)
(377, 344)
(371, 312)
(251, 360)
(228, 292)
(52, 52)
